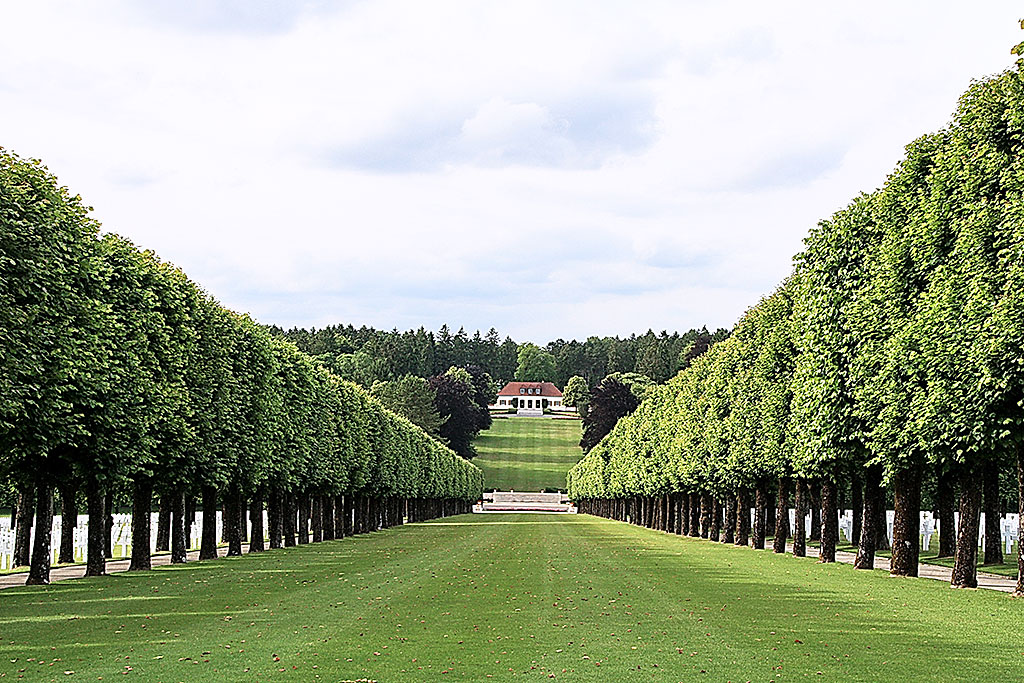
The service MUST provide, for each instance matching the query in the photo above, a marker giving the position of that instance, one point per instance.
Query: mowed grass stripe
(528, 453)
(511, 597)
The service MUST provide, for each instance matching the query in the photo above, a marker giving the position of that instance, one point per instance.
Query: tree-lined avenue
(511, 597)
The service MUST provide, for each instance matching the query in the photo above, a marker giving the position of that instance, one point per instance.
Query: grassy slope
(528, 453)
(511, 596)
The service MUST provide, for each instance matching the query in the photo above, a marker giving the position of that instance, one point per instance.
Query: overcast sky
(552, 169)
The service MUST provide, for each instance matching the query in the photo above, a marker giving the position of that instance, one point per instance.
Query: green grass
(526, 597)
(528, 453)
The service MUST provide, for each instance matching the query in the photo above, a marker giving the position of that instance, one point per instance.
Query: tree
(577, 395)
(696, 348)
(454, 392)
(360, 367)
(535, 364)
(50, 313)
(640, 385)
(609, 401)
(412, 398)
(485, 393)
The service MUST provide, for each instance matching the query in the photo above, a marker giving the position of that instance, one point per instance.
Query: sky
(551, 169)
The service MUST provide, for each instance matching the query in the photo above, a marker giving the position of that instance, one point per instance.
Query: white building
(530, 398)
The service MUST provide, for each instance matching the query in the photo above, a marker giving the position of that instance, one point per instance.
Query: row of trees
(892, 355)
(365, 355)
(117, 371)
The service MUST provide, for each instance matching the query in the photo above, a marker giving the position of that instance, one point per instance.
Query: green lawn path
(510, 597)
(528, 453)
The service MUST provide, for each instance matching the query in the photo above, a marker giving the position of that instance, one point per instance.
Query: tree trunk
(681, 513)
(303, 518)
(243, 514)
(230, 520)
(327, 511)
(347, 509)
(317, 518)
(965, 569)
(288, 513)
(814, 494)
(716, 520)
(760, 502)
(857, 504)
(882, 539)
(993, 516)
(684, 514)
(840, 498)
(781, 516)
(275, 517)
(729, 527)
(256, 521)
(208, 543)
(39, 572)
(163, 525)
(23, 526)
(339, 515)
(108, 537)
(769, 511)
(945, 494)
(142, 505)
(179, 535)
(906, 525)
(705, 515)
(695, 515)
(873, 509)
(68, 523)
(95, 560)
(1020, 523)
(800, 519)
(829, 521)
(742, 517)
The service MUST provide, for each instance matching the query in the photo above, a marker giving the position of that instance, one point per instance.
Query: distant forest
(365, 354)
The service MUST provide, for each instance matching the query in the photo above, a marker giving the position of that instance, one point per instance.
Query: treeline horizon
(366, 354)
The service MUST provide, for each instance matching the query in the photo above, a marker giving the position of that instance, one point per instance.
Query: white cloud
(399, 163)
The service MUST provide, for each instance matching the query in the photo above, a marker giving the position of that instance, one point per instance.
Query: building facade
(530, 398)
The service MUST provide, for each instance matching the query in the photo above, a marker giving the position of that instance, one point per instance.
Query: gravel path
(113, 566)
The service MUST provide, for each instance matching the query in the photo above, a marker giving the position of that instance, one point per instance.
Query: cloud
(580, 133)
(793, 166)
(230, 16)
(551, 169)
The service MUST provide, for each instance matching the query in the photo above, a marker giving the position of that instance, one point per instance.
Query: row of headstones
(121, 536)
(1008, 524)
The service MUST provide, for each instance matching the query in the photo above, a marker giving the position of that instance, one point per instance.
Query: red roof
(539, 389)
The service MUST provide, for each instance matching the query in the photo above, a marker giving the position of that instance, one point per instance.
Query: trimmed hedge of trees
(117, 371)
(893, 354)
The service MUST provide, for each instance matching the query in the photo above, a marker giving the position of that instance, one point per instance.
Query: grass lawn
(529, 597)
(528, 453)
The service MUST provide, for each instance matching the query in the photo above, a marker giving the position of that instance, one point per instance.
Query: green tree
(50, 315)
(609, 401)
(577, 395)
(535, 364)
(412, 398)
